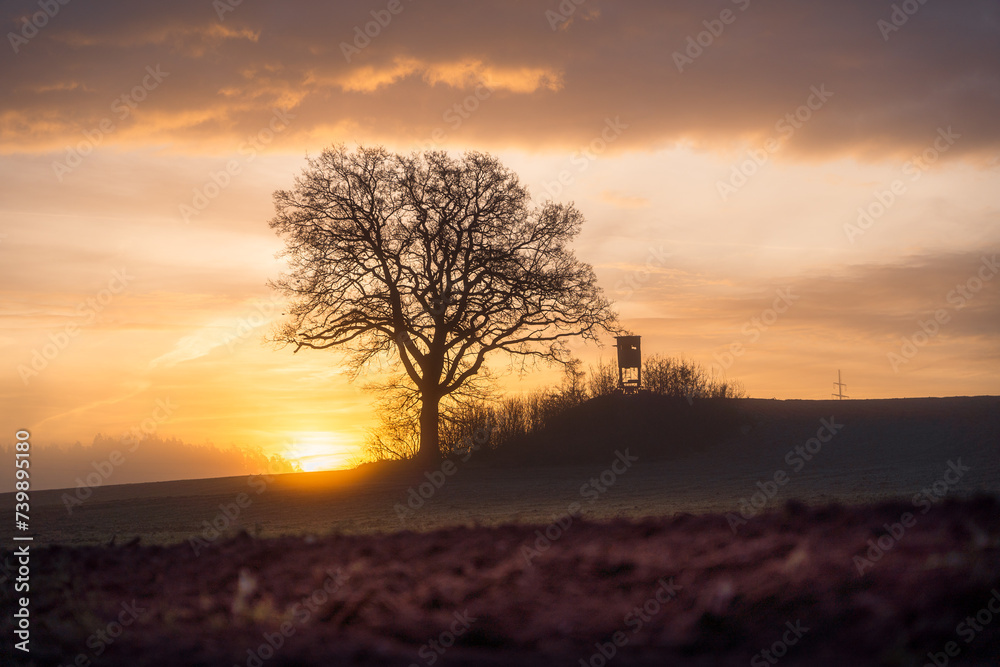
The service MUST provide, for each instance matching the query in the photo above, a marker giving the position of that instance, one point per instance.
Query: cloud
(190, 347)
(554, 88)
(227, 331)
(460, 75)
(623, 200)
(133, 391)
(863, 302)
(891, 300)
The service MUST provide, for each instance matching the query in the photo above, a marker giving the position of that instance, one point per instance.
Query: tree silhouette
(433, 263)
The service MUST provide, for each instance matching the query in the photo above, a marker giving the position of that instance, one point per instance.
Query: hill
(713, 462)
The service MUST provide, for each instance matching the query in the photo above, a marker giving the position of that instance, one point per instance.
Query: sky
(775, 190)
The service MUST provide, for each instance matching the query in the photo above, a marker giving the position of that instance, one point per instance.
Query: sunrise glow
(141, 146)
(320, 450)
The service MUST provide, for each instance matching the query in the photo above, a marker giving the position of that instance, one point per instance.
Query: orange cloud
(940, 69)
(622, 200)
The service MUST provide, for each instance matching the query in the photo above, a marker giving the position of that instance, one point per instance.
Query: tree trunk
(429, 446)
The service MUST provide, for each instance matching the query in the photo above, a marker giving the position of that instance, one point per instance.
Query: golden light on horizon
(319, 450)
(141, 148)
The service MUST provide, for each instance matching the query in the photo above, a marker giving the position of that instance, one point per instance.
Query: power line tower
(840, 388)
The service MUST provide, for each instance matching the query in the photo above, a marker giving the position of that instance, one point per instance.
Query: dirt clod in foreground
(679, 591)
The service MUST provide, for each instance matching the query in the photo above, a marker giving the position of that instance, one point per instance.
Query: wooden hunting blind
(629, 364)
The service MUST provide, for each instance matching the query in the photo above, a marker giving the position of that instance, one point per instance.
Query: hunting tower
(629, 364)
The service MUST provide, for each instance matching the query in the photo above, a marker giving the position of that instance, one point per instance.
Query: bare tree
(603, 380)
(680, 378)
(434, 263)
(574, 384)
(397, 434)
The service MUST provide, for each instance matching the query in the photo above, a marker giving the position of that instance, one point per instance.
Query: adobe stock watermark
(437, 305)
(786, 126)
(936, 492)
(635, 620)
(432, 651)
(261, 314)
(59, 341)
(627, 286)
(223, 7)
(562, 13)
(33, 24)
(417, 497)
(456, 115)
(121, 108)
(105, 468)
(592, 490)
(958, 298)
(925, 499)
(900, 14)
(778, 650)
(228, 514)
(796, 458)
(582, 158)
(912, 168)
(220, 180)
(968, 630)
(755, 327)
(696, 44)
(363, 35)
(300, 613)
(102, 638)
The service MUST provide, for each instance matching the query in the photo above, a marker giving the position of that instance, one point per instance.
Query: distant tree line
(128, 460)
(512, 417)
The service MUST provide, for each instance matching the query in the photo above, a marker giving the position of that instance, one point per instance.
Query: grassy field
(379, 587)
(878, 450)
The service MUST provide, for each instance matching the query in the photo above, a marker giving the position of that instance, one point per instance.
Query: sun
(319, 450)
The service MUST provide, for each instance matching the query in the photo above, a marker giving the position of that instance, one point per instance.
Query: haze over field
(504, 332)
(774, 190)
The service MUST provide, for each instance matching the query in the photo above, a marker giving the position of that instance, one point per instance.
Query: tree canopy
(433, 262)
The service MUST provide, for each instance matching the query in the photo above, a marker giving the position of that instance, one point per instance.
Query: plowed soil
(685, 590)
